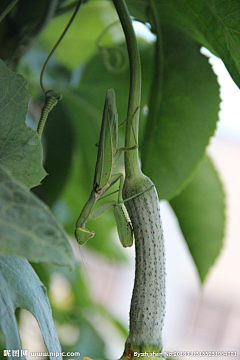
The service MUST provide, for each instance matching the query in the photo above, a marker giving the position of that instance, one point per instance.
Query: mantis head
(83, 235)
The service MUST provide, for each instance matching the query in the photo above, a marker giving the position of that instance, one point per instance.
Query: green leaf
(227, 45)
(200, 211)
(177, 134)
(27, 227)
(20, 147)
(214, 24)
(20, 287)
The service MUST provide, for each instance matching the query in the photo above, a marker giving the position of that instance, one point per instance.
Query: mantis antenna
(51, 96)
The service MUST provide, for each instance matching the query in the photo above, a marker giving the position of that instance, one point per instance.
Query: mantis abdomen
(148, 300)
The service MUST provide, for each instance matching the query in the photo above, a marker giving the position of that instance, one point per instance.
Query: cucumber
(148, 302)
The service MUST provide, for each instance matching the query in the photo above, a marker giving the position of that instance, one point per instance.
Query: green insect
(107, 157)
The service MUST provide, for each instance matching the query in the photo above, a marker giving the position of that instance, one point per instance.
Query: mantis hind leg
(134, 147)
(114, 179)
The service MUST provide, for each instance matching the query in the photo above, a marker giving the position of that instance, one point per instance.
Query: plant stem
(132, 166)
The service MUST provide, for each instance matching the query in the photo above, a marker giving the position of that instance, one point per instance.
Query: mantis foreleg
(123, 224)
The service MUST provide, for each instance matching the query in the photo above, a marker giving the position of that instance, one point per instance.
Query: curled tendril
(115, 58)
(52, 97)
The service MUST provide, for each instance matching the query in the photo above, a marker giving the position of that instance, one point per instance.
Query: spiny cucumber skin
(148, 300)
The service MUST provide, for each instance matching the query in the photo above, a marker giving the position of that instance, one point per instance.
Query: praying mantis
(107, 157)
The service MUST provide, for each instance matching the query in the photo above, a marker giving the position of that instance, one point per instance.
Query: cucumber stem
(132, 165)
